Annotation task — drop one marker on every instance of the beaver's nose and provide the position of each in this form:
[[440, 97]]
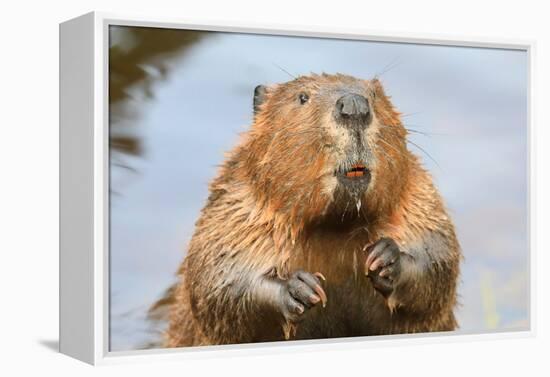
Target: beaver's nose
[[352, 106]]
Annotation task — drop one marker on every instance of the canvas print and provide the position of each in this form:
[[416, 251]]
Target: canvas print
[[268, 188]]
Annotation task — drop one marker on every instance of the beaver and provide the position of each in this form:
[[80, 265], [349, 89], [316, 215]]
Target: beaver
[[319, 224]]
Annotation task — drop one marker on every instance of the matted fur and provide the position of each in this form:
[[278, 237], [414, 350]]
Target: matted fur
[[276, 206]]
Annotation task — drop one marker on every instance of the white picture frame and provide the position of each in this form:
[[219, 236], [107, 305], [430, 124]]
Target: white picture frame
[[84, 187]]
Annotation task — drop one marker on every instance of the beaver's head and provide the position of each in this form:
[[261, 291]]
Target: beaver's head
[[326, 146]]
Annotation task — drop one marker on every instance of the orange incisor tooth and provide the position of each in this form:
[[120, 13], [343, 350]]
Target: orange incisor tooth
[[354, 174]]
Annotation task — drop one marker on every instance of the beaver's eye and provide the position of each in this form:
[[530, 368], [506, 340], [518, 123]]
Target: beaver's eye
[[303, 97]]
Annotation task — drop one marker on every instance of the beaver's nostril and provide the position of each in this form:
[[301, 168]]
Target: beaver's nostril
[[353, 112], [352, 106]]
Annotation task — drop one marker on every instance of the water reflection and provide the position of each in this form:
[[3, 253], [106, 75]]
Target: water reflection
[[139, 58]]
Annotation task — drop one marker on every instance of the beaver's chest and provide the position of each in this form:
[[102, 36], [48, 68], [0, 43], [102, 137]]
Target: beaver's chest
[[353, 307]]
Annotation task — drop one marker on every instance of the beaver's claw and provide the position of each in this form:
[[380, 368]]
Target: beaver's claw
[[301, 292], [383, 265]]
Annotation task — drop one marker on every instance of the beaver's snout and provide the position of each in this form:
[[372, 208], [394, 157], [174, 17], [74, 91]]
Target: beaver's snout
[[353, 110]]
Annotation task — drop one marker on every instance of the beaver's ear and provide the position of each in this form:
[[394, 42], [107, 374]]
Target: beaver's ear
[[260, 95], [377, 88]]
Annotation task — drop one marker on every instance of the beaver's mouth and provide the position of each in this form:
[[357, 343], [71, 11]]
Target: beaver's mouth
[[357, 173]]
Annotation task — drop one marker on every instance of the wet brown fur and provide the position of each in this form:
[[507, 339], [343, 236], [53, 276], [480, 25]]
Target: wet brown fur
[[274, 208]]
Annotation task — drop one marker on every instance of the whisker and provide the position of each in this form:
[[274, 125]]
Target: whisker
[[411, 142], [395, 149], [425, 152], [416, 130], [410, 114], [412, 130], [428, 134], [388, 67], [393, 131], [284, 70]]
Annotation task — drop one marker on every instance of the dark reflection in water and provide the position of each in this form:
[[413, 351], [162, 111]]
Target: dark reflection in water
[[139, 57], [179, 99]]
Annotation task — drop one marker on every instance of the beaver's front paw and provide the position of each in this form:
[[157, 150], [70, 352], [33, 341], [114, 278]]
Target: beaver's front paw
[[383, 265], [300, 292]]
